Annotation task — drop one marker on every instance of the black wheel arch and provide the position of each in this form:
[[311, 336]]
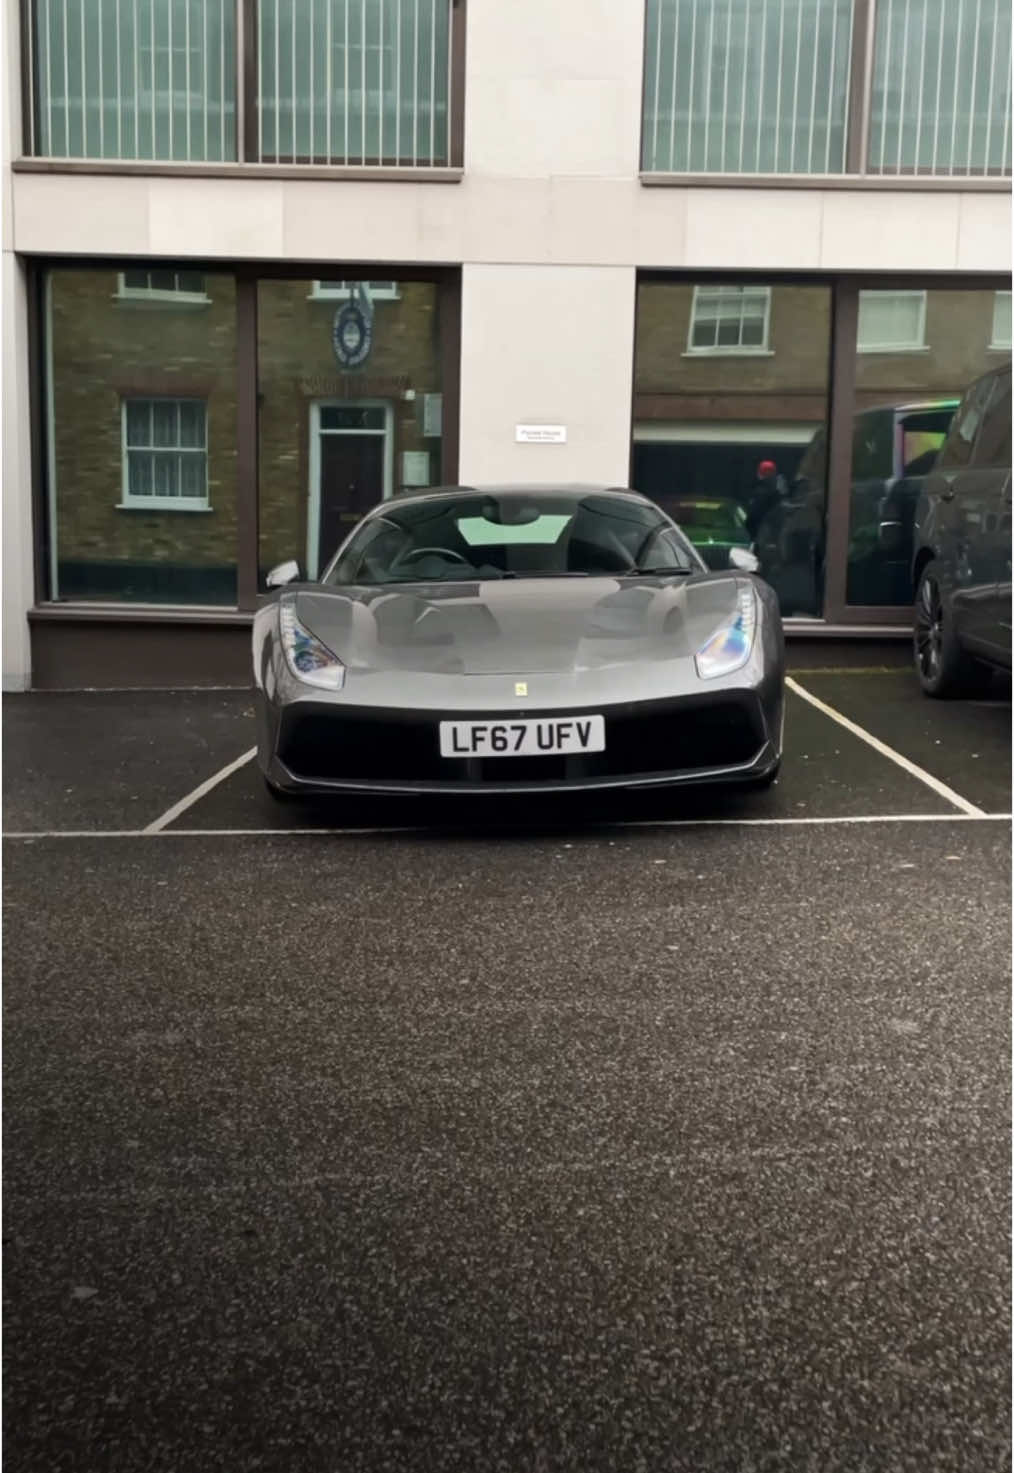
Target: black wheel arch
[[923, 558]]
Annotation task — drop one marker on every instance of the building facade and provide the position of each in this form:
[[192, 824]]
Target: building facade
[[267, 261]]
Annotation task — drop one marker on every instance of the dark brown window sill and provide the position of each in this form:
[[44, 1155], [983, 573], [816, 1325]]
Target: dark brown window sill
[[152, 168], [96, 613], [909, 183]]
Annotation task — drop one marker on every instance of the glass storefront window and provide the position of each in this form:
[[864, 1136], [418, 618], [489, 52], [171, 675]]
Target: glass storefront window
[[126, 81], [941, 87], [141, 454], [350, 408], [355, 83], [917, 353], [730, 403], [731, 87]]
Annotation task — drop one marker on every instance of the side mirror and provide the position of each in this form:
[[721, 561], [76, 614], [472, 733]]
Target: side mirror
[[743, 559], [282, 574]]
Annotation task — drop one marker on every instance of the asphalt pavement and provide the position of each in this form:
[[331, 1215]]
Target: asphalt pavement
[[655, 1134]]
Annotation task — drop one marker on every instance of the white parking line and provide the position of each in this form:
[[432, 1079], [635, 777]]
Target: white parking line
[[638, 823], [885, 751], [181, 807]]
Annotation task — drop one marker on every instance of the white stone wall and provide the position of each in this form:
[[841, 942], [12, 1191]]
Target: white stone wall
[[15, 467], [546, 345], [494, 220]]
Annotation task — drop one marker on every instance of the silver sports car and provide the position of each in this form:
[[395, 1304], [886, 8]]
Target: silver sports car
[[517, 639]]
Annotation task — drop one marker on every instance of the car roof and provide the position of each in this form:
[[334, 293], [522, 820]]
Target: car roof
[[915, 406], [535, 489]]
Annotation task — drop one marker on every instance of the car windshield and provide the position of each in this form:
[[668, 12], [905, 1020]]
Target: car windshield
[[511, 535], [714, 516]]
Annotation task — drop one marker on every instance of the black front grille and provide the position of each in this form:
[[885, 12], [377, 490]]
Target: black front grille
[[332, 745], [722, 734]]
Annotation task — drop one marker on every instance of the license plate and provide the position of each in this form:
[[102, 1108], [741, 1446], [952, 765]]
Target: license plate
[[535, 737]]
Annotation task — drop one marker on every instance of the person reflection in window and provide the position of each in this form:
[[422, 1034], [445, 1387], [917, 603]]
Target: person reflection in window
[[768, 489]]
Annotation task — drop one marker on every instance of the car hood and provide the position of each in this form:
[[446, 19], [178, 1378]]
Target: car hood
[[518, 626]]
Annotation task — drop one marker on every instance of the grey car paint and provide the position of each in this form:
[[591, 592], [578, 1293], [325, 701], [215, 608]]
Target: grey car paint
[[586, 644]]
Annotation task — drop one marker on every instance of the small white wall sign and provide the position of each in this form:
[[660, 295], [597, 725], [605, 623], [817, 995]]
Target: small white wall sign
[[540, 434], [433, 413], [415, 468]]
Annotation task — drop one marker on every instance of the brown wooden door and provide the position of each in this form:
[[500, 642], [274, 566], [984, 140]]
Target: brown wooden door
[[351, 481]]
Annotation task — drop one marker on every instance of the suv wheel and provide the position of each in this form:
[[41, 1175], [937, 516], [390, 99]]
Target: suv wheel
[[943, 667]]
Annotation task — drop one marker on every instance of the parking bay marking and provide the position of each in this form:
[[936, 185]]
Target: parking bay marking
[[638, 823], [923, 776], [191, 798], [160, 824]]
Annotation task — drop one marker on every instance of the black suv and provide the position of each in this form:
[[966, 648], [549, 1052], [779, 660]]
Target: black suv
[[961, 569]]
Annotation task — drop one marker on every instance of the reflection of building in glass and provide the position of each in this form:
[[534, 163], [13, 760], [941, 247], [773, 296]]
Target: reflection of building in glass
[[333, 441], [726, 376], [143, 459], [143, 423], [730, 406]]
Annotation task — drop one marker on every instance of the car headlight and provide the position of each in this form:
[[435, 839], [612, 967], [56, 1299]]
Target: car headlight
[[307, 657], [729, 647]]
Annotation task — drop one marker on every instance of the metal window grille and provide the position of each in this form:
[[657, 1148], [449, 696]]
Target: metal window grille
[[941, 89], [746, 86], [354, 81], [729, 319], [891, 321], [133, 79], [165, 452]]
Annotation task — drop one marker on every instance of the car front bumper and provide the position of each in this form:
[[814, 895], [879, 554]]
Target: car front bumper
[[725, 736]]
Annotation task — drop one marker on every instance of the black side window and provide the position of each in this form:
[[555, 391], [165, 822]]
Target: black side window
[[960, 443], [872, 455], [993, 447], [374, 546]]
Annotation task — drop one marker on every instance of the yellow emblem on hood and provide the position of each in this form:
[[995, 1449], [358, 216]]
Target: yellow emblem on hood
[[521, 687]]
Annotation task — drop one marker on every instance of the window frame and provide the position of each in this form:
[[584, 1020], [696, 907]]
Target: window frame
[[48, 605], [317, 432], [657, 165], [131, 501], [262, 108], [176, 295], [887, 348], [235, 136], [386, 291], [721, 350], [997, 345], [833, 457]]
